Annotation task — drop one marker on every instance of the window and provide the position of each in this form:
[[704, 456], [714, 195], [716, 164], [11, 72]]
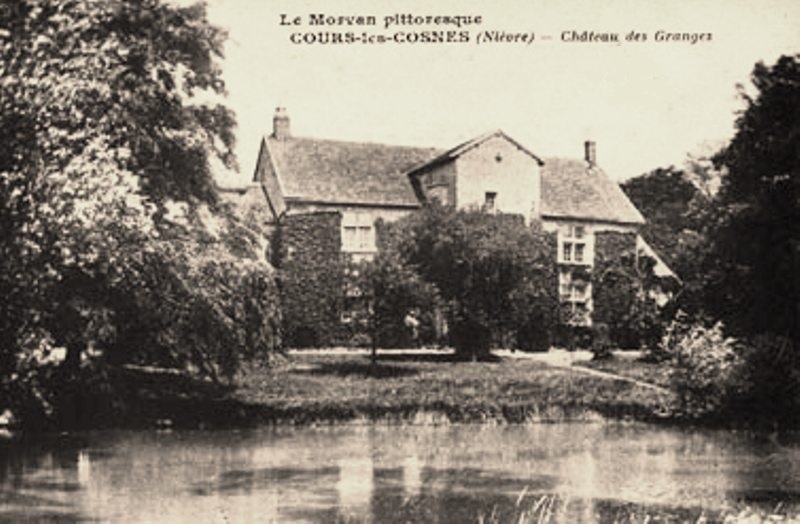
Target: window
[[575, 244], [358, 234], [573, 289], [440, 193], [358, 238], [567, 252], [576, 298], [490, 201], [436, 178], [349, 237], [579, 289], [364, 238]]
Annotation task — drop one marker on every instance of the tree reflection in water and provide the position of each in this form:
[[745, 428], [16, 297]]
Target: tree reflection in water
[[566, 473]]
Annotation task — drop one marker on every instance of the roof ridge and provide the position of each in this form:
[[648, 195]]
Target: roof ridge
[[270, 137], [318, 170]]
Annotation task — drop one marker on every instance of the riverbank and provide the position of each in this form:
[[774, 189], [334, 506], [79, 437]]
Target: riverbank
[[317, 387]]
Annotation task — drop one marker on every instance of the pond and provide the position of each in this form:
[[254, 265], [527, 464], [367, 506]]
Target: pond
[[413, 473]]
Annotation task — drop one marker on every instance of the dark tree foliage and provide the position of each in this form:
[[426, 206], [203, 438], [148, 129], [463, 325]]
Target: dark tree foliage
[[666, 198], [494, 273], [746, 256], [77, 71], [624, 289], [386, 291], [753, 264]]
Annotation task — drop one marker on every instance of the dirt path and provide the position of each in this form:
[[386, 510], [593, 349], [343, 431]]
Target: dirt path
[[567, 359]]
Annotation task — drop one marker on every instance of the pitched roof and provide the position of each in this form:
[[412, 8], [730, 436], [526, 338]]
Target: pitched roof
[[338, 172], [571, 188], [661, 269], [346, 172], [460, 149]]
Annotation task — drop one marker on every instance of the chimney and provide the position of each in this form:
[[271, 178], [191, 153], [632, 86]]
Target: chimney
[[590, 155], [280, 124]]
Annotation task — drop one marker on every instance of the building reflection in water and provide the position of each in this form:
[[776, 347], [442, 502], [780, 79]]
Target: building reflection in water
[[580, 486], [412, 476], [355, 485]]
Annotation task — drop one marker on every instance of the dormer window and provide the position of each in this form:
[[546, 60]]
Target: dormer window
[[490, 201]]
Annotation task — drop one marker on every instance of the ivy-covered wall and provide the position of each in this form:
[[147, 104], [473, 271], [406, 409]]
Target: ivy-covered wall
[[307, 253], [614, 247], [312, 272], [620, 281]]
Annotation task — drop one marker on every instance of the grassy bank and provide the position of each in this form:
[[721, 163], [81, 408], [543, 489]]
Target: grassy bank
[[310, 388], [320, 388], [406, 386]]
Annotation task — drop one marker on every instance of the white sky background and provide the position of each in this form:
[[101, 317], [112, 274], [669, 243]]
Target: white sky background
[[645, 104]]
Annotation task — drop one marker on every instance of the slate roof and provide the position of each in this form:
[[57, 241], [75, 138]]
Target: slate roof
[[337, 172], [333, 171], [573, 189]]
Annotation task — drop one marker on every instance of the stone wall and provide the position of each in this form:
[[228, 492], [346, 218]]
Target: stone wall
[[499, 166]]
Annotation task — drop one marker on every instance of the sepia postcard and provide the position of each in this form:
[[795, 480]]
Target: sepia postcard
[[470, 391]]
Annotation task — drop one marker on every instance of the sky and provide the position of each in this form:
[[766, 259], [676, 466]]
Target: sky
[[646, 104]]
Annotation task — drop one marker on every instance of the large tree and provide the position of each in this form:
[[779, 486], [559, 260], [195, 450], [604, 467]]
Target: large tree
[[494, 272], [675, 203], [108, 126], [665, 197], [753, 267]]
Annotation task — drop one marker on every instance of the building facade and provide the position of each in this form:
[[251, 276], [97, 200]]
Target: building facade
[[363, 182]]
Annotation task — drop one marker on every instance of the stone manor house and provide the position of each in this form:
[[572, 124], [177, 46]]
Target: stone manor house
[[362, 182]]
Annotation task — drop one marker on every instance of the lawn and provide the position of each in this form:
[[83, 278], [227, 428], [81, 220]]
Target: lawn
[[318, 387]]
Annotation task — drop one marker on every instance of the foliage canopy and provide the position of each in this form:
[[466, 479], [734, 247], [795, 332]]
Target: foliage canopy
[[494, 272], [108, 131]]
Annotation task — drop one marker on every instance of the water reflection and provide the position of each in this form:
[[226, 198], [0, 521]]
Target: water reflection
[[571, 473]]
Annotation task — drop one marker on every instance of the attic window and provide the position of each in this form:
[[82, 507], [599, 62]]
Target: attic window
[[436, 178], [498, 157], [490, 200]]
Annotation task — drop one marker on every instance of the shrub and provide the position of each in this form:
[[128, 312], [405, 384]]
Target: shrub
[[771, 377], [601, 342], [198, 302], [533, 314], [386, 292], [705, 367]]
